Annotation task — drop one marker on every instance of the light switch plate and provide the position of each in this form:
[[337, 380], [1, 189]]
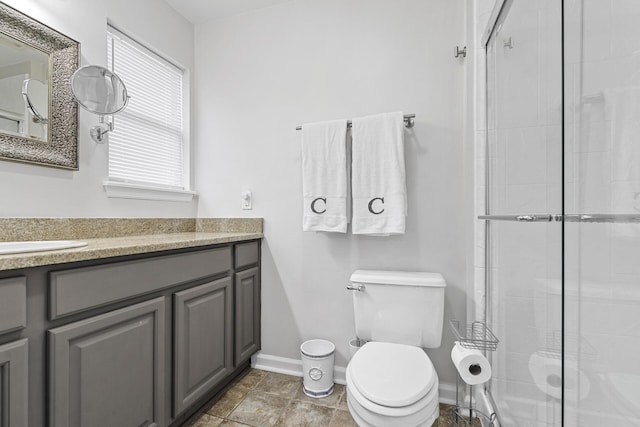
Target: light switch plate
[[247, 200]]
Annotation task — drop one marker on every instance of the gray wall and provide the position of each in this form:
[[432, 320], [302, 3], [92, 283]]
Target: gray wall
[[260, 74]]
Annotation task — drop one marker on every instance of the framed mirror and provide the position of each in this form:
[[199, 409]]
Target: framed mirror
[[38, 115]]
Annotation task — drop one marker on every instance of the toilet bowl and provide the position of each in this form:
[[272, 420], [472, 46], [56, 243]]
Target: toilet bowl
[[392, 384]]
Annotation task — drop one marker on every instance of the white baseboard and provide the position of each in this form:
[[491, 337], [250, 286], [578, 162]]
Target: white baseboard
[[447, 392], [284, 365]]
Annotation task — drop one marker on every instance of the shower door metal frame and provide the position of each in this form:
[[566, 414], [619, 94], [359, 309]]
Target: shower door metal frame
[[498, 16]]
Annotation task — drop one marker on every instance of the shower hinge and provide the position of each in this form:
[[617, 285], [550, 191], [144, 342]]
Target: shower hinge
[[460, 52]]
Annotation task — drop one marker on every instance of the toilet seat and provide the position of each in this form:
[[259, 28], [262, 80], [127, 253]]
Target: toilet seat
[[392, 385], [392, 375]]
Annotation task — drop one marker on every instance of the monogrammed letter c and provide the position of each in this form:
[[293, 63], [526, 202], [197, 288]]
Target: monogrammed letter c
[[313, 205], [371, 206]]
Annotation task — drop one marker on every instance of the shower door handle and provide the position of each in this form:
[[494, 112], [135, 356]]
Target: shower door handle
[[588, 218], [539, 218], [522, 218], [604, 218]]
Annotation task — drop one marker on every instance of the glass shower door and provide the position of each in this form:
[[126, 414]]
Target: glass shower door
[[524, 210], [602, 230]]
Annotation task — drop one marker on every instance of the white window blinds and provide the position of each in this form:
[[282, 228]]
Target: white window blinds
[[147, 145]]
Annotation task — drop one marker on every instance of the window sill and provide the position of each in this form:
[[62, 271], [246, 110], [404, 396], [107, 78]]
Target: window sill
[[141, 192]]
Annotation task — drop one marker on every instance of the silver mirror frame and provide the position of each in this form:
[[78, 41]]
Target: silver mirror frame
[[61, 149]]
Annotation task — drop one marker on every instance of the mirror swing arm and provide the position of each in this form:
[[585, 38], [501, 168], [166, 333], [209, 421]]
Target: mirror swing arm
[[98, 132]]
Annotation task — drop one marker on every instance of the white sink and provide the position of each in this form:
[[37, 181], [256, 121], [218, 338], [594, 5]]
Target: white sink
[[36, 246]]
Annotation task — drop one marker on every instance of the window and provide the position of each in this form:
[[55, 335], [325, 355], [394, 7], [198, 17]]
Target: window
[[148, 155]]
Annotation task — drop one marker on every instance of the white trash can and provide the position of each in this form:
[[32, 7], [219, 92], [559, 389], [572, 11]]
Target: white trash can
[[317, 367]]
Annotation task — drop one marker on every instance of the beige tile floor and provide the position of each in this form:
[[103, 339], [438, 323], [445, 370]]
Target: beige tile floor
[[263, 399]]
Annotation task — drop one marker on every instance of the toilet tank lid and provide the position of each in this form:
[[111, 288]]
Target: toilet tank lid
[[407, 278]]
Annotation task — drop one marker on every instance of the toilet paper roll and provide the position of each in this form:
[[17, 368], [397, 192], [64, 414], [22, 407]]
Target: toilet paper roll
[[471, 364], [547, 375]]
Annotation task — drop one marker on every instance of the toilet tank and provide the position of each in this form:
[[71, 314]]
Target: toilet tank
[[399, 306]]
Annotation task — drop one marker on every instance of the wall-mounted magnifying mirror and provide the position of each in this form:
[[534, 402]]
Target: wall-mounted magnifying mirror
[[36, 98], [101, 92]]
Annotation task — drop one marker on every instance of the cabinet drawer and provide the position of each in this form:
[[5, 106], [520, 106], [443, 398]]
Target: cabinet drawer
[[247, 254], [13, 304], [80, 289]]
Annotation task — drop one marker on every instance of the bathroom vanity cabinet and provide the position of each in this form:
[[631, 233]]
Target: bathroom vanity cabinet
[[139, 340]]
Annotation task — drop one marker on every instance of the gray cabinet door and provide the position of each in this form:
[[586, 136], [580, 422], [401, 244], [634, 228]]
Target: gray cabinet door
[[247, 288], [203, 340], [13, 304], [14, 384], [108, 370]]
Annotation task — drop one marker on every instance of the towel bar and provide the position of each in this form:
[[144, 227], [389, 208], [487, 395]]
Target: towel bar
[[408, 121]]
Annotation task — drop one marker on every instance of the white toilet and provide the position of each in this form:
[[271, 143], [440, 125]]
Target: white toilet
[[391, 380]]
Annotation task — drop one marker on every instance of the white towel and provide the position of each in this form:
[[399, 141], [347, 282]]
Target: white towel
[[324, 176], [379, 186]]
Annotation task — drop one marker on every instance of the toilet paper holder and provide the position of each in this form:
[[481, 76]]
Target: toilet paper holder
[[476, 336]]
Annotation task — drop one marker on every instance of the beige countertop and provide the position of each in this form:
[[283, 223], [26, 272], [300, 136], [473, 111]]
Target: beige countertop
[[99, 248]]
